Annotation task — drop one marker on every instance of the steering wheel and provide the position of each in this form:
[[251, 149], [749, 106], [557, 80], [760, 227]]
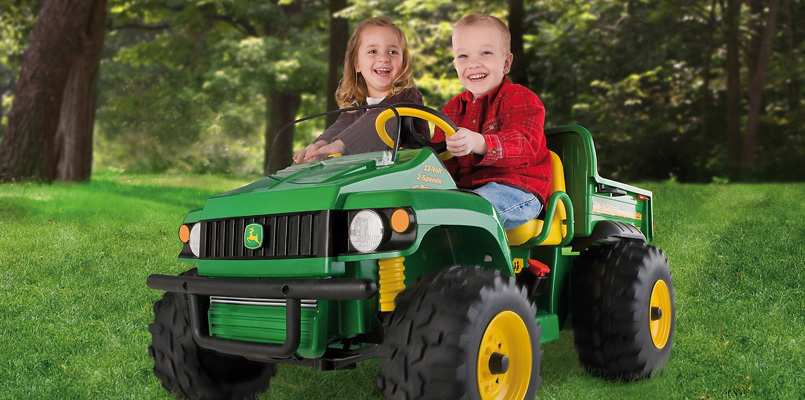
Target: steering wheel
[[406, 131]]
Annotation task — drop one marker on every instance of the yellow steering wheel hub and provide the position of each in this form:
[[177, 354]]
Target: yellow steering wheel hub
[[504, 358], [407, 111], [660, 314]]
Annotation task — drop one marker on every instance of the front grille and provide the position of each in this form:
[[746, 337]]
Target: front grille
[[284, 236], [304, 303], [257, 323]]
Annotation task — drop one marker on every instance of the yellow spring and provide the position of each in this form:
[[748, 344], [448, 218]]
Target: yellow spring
[[392, 281]]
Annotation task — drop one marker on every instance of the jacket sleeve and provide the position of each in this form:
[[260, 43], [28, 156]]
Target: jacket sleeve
[[520, 137], [450, 110], [344, 120], [361, 136]]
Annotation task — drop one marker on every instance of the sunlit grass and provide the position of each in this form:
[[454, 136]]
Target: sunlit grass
[[74, 260]]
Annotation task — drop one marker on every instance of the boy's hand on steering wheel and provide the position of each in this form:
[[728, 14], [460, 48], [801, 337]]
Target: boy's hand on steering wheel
[[464, 142]]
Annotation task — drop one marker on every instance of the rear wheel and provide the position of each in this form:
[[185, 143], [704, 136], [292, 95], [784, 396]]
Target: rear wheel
[[192, 372], [463, 333], [623, 310]]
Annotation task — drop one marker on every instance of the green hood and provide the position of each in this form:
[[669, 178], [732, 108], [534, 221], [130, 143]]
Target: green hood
[[325, 184]]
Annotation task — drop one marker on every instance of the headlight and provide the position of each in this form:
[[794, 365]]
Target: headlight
[[365, 231], [195, 239]]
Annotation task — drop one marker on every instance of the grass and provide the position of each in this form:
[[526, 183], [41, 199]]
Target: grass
[[74, 260]]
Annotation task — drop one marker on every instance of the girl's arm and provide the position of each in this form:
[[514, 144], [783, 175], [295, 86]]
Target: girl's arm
[[330, 134], [336, 147], [343, 122], [361, 136], [301, 157]]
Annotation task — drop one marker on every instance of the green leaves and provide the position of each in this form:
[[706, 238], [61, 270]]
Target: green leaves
[[178, 73]]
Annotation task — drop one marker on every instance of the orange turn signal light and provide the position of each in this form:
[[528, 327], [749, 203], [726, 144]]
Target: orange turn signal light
[[184, 233], [400, 220]]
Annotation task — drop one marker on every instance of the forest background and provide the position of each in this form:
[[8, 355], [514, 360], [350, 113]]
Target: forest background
[[692, 90]]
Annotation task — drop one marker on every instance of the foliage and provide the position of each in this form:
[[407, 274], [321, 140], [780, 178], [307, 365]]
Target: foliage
[[74, 260], [17, 20], [191, 95], [632, 73], [184, 82]]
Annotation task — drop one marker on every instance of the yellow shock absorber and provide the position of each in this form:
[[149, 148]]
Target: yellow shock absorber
[[392, 281]]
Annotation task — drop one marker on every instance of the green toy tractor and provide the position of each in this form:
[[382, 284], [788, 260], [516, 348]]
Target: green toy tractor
[[379, 255]]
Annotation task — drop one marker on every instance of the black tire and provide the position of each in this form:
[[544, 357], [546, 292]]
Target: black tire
[[437, 336], [192, 372], [612, 290]]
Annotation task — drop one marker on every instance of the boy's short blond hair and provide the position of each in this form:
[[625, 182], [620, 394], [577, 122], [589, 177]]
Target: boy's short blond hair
[[488, 20]]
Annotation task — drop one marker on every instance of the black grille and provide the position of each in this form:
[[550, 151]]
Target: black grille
[[284, 236]]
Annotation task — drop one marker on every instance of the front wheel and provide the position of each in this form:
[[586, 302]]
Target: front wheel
[[463, 333], [623, 310], [192, 372]]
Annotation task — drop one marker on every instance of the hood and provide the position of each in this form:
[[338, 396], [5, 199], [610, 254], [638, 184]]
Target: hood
[[325, 184]]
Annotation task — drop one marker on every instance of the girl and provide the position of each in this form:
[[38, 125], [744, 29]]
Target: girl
[[377, 69]]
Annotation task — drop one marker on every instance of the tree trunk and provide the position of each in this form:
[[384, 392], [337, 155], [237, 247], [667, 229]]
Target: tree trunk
[[339, 36], [519, 73], [74, 136], [733, 88], [792, 61], [704, 148], [754, 25], [756, 89], [28, 147], [280, 110]]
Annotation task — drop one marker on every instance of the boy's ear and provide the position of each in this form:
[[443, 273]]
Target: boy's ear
[[507, 65]]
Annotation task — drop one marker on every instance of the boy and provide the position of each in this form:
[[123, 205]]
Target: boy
[[499, 148]]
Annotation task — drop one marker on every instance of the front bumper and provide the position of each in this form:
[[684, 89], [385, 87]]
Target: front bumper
[[290, 290]]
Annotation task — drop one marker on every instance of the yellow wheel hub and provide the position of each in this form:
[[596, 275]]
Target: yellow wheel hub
[[504, 358], [660, 314]]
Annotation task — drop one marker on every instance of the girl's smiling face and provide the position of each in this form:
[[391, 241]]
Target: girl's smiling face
[[481, 60], [380, 59]]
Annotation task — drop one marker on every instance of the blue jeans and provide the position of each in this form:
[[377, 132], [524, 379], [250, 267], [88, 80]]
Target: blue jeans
[[515, 206]]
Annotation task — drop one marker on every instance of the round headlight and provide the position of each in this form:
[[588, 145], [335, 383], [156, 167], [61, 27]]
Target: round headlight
[[195, 239], [366, 231]]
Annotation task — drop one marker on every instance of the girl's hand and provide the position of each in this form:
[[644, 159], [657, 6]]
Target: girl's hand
[[325, 151], [299, 157], [465, 141]]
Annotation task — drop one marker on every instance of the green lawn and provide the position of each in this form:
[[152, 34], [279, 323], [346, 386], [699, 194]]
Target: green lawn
[[74, 260]]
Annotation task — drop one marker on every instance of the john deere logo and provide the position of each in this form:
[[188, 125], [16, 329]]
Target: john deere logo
[[253, 236]]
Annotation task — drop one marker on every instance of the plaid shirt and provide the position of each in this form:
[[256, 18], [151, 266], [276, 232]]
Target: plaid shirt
[[511, 120]]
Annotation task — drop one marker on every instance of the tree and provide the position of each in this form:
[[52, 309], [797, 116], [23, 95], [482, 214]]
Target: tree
[[339, 36], [29, 150], [236, 52], [516, 16], [706, 69], [203, 86], [732, 11], [73, 142], [17, 20], [764, 35]]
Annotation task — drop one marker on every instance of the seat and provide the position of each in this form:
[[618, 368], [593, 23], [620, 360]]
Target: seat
[[533, 228]]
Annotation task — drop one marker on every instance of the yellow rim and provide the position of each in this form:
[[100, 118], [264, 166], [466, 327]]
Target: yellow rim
[[660, 314], [505, 335], [380, 125]]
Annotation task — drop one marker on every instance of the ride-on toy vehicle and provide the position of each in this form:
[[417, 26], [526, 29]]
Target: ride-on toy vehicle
[[329, 263]]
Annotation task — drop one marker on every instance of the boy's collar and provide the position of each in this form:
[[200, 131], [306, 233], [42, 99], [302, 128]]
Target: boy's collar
[[489, 98]]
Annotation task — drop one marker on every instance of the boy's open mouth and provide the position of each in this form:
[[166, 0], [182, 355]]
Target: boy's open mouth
[[477, 77], [382, 71]]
